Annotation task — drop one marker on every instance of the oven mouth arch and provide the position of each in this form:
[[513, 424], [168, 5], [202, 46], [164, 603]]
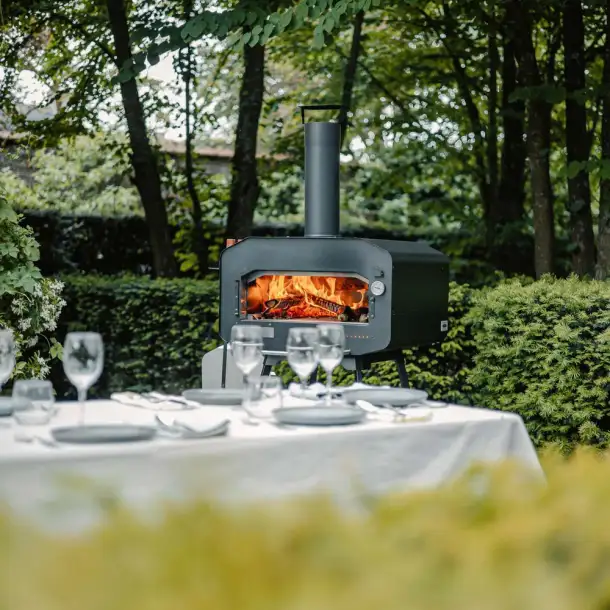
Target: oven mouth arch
[[305, 296]]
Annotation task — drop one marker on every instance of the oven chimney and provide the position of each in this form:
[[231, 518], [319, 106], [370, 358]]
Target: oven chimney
[[322, 153]]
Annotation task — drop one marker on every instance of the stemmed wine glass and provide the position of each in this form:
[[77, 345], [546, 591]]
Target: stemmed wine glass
[[330, 348], [247, 348], [83, 361], [301, 354], [8, 355]]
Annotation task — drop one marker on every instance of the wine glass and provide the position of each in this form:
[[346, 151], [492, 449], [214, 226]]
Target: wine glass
[[83, 361], [8, 355], [263, 395], [300, 352], [39, 393], [247, 348], [330, 348]]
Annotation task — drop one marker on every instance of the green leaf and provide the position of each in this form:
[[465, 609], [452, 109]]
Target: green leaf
[[318, 38]]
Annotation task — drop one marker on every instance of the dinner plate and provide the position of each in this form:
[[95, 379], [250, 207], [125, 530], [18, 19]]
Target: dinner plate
[[340, 415], [396, 397], [8, 405], [103, 433], [223, 397]]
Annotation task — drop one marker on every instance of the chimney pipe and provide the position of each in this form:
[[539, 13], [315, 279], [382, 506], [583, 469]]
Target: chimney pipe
[[322, 154]]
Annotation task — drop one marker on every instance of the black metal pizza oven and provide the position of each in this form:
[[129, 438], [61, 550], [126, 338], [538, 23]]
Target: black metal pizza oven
[[388, 294]]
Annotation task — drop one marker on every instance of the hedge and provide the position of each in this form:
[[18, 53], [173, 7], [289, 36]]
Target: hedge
[[155, 331], [494, 540], [543, 351], [540, 349], [112, 245]]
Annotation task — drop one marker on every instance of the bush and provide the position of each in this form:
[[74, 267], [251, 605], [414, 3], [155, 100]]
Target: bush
[[489, 541], [111, 245], [155, 331], [543, 351], [29, 303]]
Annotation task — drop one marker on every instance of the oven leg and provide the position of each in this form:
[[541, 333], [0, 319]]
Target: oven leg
[[358, 363], [266, 368], [223, 379], [402, 372]]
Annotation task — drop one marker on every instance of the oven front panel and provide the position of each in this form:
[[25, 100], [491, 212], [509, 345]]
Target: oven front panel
[[319, 280]]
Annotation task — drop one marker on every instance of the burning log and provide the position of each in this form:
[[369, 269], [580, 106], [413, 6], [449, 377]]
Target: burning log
[[281, 304], [338, 310]]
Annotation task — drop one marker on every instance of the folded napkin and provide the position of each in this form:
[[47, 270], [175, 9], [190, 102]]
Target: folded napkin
[[136, 400], [193, 428]]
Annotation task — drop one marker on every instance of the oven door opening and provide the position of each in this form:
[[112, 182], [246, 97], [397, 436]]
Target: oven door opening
[[301, 297]]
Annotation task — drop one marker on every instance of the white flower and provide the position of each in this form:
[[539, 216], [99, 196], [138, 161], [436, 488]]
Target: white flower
[[44, 370], [18, 306], [32, 342], [41, 360], [24, 324]]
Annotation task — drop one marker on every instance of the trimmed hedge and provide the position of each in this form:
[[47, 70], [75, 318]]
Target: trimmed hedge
[[543, 351], [155, 331], [494, 540], [72, 243]]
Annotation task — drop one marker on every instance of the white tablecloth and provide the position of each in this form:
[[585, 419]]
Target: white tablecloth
[[253, 463]]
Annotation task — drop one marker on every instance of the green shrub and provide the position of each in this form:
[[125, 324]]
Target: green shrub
[[29, 303], [543, 351], [508, 544], [155, 331]]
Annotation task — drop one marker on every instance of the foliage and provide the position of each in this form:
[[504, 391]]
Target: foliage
[[29, 303], [543, 351], [81, 175], [155, 331], [494, 539]]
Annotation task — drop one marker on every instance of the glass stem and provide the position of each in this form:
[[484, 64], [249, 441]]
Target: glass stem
[[82, 400], [329, 387]]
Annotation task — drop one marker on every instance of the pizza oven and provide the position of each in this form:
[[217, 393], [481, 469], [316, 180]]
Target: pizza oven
[[387, 294]]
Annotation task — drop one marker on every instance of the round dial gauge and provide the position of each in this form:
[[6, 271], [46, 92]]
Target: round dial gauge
[[377, 288]]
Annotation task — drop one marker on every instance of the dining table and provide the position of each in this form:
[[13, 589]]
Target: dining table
[[70, 487]]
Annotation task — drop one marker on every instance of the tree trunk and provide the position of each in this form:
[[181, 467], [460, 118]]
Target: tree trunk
[[538, 139], [200, 244], [492, 129], [143, 158], [349, 77], [577, 140], [512, 182], [245, 186], [603, 245]]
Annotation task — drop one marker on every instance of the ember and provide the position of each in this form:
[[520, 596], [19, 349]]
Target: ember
[[308, 296]]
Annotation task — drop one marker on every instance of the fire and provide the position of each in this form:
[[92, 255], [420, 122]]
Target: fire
[[308, 296]]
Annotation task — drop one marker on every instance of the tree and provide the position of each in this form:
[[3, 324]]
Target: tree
[[538, 137], [79, 50], [577, 139], [603, 260]]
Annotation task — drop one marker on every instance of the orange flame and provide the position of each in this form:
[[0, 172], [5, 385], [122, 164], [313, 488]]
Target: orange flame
[[314, 296]]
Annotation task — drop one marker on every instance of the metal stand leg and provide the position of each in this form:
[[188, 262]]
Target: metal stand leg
[[223, 378], [266, 368], [402, 372], [358, 363]]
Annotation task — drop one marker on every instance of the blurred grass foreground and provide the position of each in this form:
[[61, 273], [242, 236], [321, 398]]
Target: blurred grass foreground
[[494, 540]]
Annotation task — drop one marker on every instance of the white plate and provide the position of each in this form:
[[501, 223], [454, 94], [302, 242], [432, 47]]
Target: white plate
[[340, 415], [396, 397], [103, 433], [224, 397]]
